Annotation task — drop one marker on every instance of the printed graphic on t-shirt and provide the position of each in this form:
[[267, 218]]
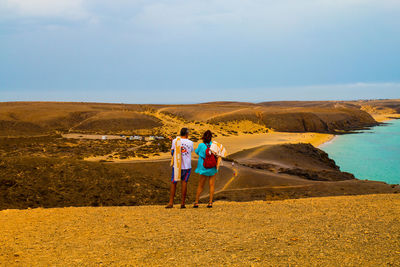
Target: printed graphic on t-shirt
[[186, 150]]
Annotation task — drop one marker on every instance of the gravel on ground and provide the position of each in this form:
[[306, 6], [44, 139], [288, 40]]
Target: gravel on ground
[[328, 231]]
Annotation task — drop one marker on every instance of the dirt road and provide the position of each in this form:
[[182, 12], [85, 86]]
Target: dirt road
[[356, 230]]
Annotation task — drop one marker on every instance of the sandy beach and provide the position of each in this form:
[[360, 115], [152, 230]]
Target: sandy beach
[[385, 117], [237, 143]]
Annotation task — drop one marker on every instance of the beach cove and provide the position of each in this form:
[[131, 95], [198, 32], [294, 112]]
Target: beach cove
[[372, 154]]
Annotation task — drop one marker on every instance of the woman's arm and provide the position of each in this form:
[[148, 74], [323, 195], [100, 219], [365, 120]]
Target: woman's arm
[[201, 151]]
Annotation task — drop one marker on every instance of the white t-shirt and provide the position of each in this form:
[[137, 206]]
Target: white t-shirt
[[186, 149]]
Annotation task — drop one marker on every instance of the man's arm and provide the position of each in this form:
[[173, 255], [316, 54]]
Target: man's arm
[[191, 148], [173, 147]]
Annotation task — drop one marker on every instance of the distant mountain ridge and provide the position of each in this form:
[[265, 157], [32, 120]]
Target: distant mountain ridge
[[35, 118]]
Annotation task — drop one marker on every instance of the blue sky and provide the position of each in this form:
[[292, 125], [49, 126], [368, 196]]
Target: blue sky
[[181, 51]]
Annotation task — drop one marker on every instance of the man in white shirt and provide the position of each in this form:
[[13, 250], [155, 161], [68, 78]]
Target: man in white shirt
[[186, 167]]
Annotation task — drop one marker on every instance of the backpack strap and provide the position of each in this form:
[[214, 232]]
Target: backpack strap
[[208, 146]]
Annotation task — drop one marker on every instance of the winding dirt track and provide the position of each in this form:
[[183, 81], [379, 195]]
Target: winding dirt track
[[334, 231]]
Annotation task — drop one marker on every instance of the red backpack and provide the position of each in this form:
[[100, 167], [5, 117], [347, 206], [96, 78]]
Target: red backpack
[[210, 160]]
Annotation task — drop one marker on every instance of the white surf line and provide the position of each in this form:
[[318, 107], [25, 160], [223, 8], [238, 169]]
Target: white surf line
[[330, 141]]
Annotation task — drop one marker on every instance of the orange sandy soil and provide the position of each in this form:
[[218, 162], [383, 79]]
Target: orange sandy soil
[[240, 142], [333, 231]]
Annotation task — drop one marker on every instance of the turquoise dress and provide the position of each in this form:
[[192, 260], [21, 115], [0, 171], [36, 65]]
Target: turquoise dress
[[201, 151]]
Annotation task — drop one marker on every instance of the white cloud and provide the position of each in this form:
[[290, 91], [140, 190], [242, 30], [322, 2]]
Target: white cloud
[[65, 9], [169, 12], [249, 17], [252, 17], [209, 18]]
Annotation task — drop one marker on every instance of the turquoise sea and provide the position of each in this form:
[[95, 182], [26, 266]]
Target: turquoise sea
[[373, 154]]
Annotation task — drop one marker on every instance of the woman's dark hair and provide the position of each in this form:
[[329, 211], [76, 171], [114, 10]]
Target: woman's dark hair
[[207, 136]]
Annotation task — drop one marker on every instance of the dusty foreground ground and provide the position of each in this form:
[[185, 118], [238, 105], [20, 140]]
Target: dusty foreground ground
[[351, 230]]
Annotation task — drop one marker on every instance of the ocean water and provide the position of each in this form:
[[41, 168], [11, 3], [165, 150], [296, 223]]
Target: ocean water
[[373, 154]]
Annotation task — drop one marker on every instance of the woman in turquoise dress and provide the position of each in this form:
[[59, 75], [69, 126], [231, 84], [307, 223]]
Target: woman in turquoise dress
[[204, 172]]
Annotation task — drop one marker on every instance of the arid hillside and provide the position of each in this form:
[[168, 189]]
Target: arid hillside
[[38, 118], [388, 105], [53, 154], [324, 117], [263, 173], [31, 182], [292, 171], [380, 109], [308, 161]]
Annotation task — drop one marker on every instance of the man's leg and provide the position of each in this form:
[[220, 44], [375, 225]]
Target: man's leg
[[172, 194], [184, 191]]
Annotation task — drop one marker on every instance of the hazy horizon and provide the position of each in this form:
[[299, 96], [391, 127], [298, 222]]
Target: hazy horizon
[[358, 90], [178, 51]]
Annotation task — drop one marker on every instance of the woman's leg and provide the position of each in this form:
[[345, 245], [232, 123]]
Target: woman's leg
[[212, 187], [200, 188]]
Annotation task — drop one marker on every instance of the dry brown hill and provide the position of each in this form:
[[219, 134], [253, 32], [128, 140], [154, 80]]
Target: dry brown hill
[[389, 106], [285, 116], [117, 122], [35, 118], [29, 182], [292, 171], [286, 156], [324, 117], [28, 165], [267, 172]]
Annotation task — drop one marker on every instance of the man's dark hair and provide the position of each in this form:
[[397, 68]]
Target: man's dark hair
[[207, 136], [184, 131]]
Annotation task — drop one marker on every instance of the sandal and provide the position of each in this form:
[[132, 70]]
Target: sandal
[[209, 205], [169, 206], [183, 207], [195, 205]]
